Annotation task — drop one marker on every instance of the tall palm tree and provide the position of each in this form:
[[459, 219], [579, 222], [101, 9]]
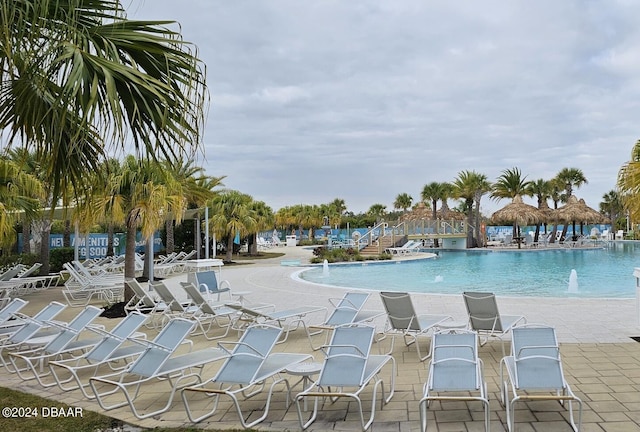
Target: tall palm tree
[[403, 201], [571, 178], [470, 185], [77, 76], [378, 211], [434, 192], [629, 183], [19, 192], [232, 215], [29, 164], [339, 205], [541, 189], [483, 187], [611, 206], [197, 188], [140, 196], [510, 184], [264, 217], [557, 196]]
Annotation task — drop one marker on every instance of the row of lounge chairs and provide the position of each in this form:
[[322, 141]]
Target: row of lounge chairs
[[531, 371], [20, 280], [249, 365]]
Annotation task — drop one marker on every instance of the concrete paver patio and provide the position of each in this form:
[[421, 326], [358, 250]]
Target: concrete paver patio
[[601, 363]]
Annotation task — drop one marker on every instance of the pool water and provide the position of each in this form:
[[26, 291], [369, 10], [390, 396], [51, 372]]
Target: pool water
[[601, 273]]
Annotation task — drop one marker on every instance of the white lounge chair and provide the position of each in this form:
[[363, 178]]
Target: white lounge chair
[[534, 371], [485, 318], [113, 349], [347, 371], [9, 311], [207, 282], [287, 319], [29, 364], [80, 289], [247, 370], [38, 325], [158, 362], [455, 373], [143, 301], [346, 310], [410, 247], [403, 319], [209, 316], [175, 308]]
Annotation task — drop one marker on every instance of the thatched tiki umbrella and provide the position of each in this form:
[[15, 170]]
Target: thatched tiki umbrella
[[519, 214], [578, 211]]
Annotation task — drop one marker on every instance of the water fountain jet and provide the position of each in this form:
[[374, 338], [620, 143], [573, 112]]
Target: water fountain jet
[[325, 268], [573, 281]]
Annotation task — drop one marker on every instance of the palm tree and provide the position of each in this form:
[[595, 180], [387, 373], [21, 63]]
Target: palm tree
[[264, 217], [470, 186], [611, 206], [541, 189], [511, 184], [339, 205], [197, 189], [556, 195], [403, 201], [232, 215], [77, 76], [19, 192], [434, 192], [30, 165], [377, 211], [570, 178], [140, 195], [629, 183], [335, 210]]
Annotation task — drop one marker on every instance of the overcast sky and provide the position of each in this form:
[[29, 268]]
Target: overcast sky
[[363, 100]]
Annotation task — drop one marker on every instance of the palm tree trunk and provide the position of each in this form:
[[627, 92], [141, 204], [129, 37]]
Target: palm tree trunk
[[26, 236], [66, 234], [130, 249], [229, 255], [44, 247], [253, 244], [110, 240], [170, 241], [470, 242]]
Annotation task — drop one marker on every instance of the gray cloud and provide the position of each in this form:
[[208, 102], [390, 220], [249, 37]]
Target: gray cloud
[[364, 100]]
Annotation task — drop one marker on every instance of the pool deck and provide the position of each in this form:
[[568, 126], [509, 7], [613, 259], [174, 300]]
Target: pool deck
[[601, 362]]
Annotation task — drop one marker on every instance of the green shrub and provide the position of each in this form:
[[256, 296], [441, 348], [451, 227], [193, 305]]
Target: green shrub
[[11, 260], [60, 256]]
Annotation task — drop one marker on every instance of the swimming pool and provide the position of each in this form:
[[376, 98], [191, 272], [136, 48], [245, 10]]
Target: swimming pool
[[601, 273]]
